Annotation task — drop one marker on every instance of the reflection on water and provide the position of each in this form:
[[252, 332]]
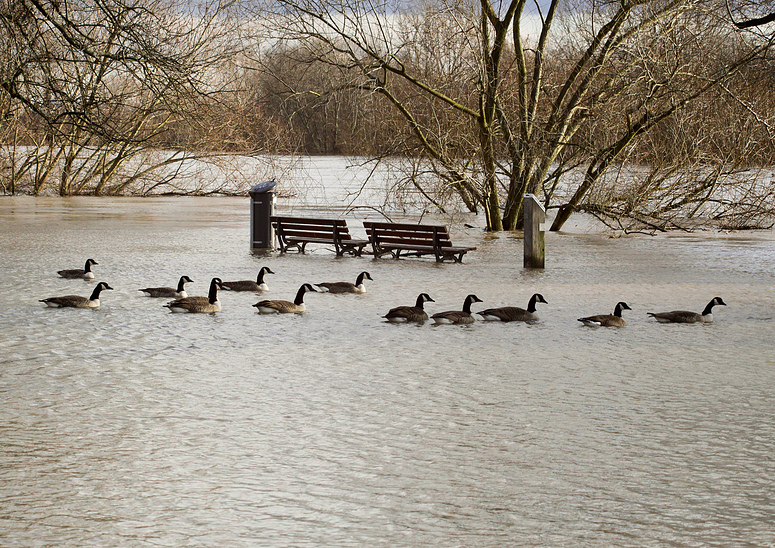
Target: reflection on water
[[132, 426]]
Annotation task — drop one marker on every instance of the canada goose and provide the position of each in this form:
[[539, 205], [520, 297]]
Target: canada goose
[[458, 316], [684, 316], [607, 320], [169, 292], [514, 313], [250, 285], [403, 314], [76, 301], [346, 287], [206, 305], [285, 307], [85, 273]]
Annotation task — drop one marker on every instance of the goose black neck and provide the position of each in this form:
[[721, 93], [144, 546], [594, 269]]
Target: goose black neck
[[260, 278], [420, 302], [467, 305], [181, 284], [709, 308], [212, 296], [531, 306], [618, 311], [359, 279], [87, 266], [96, 293], [300, 295]]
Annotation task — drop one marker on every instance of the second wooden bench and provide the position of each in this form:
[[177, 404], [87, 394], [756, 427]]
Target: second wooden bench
[[405, 239]]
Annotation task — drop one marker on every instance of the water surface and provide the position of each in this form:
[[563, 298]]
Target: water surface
[[131, 426]]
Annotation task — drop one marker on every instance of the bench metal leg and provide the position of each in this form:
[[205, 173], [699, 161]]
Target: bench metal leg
[[354, 250]]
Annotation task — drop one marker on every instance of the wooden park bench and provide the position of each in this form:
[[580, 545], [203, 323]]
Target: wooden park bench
[[404, 239], [297, 232]]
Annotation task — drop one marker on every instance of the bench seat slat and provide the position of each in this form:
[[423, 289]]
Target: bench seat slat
[[310, 239], [308, 221], [404, 226], [323, 240], [312, 226], [306, 232], [411, 235], [388, 241], [301, 234]]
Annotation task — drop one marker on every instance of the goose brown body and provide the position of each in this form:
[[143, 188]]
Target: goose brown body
[[169, 292], [458, 316], [84, 273], [199, 305], [249, 285], [77, 301], [346, 287], [416, 313], [514, 313], [685, 316], [607, 320], [285, 307]]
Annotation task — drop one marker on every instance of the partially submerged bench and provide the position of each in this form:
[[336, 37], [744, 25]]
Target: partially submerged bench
[[405, 239], [297, 232]]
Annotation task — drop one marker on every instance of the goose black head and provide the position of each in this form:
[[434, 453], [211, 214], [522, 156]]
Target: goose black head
[[423, 298]]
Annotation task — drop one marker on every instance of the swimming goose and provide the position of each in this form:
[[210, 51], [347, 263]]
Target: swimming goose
[[346, 287], [514, 313], [607, 320], [85, 273], [403, 314], [684, 316], [169, 292], [286, 307], [204, 305], [250, 285], [458, 316], [76, 301]]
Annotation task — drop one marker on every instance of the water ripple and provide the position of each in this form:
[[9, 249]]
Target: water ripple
[[133, 426]]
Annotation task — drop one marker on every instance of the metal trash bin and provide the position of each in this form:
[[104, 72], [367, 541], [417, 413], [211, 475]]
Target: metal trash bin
[[261, 211]]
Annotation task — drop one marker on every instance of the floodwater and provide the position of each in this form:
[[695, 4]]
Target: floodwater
[[132, 426]]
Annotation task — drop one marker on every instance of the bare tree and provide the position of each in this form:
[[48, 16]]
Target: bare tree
[[93, 86], [760, 11], [504, 108]]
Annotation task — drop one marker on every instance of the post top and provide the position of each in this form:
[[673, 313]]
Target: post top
[[262, 188], [535, 199]]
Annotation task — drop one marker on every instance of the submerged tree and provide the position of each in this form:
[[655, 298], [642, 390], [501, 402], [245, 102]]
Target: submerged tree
[[503, 99], [88, 86]]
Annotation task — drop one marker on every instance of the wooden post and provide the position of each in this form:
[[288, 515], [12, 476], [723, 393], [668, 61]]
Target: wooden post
[[535, 226]]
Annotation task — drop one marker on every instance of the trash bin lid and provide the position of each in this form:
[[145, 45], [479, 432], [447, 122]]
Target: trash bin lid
[[261, 188]]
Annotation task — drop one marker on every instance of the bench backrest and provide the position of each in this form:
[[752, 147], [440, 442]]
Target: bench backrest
[[407, 233], [306, 227]]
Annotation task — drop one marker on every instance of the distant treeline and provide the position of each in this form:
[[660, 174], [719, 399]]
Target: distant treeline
[[293, 108]]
